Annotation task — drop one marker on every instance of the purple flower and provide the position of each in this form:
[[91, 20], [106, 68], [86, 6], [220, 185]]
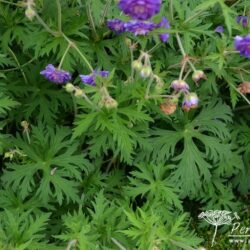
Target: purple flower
[[190, 101], [140, 27], [116, 25], [219, 29], [55, 75], [242, 44], [243, 20], [179, 85], [164, 24], [140, 9], [90, 79]]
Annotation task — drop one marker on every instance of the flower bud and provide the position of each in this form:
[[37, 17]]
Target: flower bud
[[69, 87], [78, 92], [244, 88], [169, 106], [137, 65], [146, 72], [179, 85], [110, 103], [190, 101], [128, 42], [197, 75], [30, 13]]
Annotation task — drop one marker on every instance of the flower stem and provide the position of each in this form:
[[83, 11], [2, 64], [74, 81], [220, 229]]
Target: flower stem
[[64, 55], [18, 65], [16, 4], [59, 17], [71, 244], [182, 70], [158, 45], [79, 52], [148, 87], [46, 27], [91, 20], [106, 8], [132, 60], [171, 9], [183, 51]]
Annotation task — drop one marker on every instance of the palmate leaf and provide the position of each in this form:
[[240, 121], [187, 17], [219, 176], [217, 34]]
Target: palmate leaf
[[6, 103], [52, 167], [151, 181], [21, 230], [111, 130], [202, 143], [149, 229]]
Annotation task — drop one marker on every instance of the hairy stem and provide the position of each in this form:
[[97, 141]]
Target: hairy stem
[[16, 4], [59, 15], [46, 27], [18, 64], [64, 55], [79, 52], [148, 87], [183, 51]]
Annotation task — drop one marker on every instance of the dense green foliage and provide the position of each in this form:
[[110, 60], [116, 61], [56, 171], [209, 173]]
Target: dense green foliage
[[79, 175]]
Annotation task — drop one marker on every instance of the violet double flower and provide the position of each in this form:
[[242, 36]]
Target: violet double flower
[[90, 79], [55, 75], [140, 9], [242, 44]]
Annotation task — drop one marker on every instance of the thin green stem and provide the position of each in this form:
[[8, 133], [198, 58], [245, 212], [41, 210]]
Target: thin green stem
[[118, 244], [180, 45], [16, 4], [171, 9], [79, 52], [193, 16], [158, 45], [17, 68], [59, 15], [46, 27], [161, 96], [106, 8], [187, 74], [91, 20], [183, 51], [71, 244], [182, 70], [18, 64], [148, 87], [27, 135], [132, 60], [64, 55], [74, 104], [88, 100]]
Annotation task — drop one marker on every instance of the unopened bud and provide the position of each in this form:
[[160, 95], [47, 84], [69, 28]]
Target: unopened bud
[[190, 101], [128, 42], [244, 88], [169, 106], [146, 72], [78, 92], [110, 103], [137, 65], [179, 85], [69, 87], [30, 13], [197, 75]]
